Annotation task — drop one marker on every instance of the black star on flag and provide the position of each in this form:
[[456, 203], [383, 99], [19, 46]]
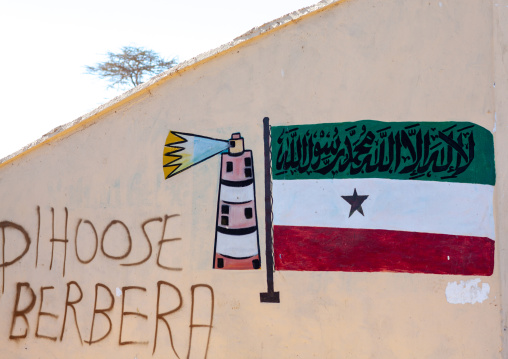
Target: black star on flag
[[356, 202]]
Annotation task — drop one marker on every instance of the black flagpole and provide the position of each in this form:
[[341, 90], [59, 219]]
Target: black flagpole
[[270, 296]]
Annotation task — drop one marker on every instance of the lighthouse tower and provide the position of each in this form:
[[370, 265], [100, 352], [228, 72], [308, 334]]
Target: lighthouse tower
[[236, 232]]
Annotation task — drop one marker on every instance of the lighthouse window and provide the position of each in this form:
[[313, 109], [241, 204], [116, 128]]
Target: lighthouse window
[[224, 220], [248, 213], [229, 166], [248, 172], [220, 262], [248, 161], [232, 143], [225, 209]]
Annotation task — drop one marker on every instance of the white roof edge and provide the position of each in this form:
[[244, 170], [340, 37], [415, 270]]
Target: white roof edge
[[254, 32]]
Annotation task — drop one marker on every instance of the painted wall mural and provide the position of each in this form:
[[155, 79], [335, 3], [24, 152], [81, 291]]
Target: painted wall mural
[[355, 197], [236, 228], [377, 196]]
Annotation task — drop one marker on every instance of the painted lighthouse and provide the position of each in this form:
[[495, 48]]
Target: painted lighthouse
[[236, 228], [236, 232]]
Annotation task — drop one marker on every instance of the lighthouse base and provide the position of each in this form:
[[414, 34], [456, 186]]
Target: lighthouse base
[[224, 262]]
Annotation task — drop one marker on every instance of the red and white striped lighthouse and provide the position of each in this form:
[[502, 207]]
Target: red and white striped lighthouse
[[236, 233]]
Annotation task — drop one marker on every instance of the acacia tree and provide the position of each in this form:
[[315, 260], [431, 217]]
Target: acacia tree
[[130, 66]]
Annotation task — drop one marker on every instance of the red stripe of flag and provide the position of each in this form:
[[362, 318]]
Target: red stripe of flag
[[373, 250]]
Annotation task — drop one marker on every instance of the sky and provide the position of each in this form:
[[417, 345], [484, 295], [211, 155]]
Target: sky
[[45, 46]]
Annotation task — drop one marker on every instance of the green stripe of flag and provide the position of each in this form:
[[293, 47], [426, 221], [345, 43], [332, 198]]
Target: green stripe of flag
[[431, 151]]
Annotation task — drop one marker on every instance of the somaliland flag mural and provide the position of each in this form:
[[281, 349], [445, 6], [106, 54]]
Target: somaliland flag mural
[[379, 196]]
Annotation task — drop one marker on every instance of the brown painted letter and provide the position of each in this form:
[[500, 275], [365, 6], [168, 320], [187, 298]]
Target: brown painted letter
[[127, 252], [101, 311], [22, 312], [76, 242], [53, 239], [160, 316], [124, 314], [147, 240], [38, 235], [208, 325], [41, 313], [71, 304], [4, 264], [163, 240]]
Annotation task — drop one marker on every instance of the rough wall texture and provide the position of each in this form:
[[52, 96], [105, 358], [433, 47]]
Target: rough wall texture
[[102, 187]]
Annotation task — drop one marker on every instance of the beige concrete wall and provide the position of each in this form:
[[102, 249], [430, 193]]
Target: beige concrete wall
[[360, 59], [500, 18]]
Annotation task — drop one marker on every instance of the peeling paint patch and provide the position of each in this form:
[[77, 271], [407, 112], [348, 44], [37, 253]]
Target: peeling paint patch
[[118, 292], [495, 123], [467, 292]]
